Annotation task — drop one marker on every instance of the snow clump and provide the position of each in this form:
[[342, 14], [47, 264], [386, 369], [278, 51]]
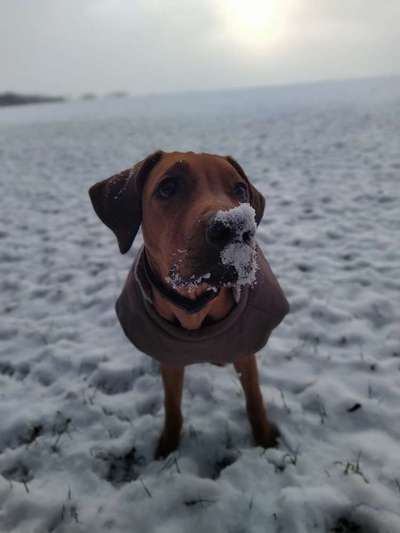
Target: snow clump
[[241, 252]]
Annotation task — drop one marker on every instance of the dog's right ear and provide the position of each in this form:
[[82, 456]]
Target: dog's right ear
[[118, 200], [257, 200]]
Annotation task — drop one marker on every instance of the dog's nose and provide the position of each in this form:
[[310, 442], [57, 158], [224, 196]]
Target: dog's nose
[[219, 234]]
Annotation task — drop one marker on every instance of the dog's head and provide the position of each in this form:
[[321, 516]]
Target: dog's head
[[193, 208]]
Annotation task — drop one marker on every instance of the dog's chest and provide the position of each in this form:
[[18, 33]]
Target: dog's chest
[[244, 330]]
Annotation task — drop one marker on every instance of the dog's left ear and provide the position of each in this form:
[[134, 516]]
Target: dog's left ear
[[257, 200], [118, 200]]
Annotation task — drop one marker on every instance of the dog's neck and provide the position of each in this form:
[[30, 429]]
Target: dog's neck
[[171, 309], [214, 311]]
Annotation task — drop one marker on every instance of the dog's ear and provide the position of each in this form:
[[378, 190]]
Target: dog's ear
[[257, 200], [118, 200]]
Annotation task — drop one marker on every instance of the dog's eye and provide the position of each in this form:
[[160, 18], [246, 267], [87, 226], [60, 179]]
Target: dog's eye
[[167, 188], [241, 192]]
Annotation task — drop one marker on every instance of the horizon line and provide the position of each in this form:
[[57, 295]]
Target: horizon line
[[177, 92]]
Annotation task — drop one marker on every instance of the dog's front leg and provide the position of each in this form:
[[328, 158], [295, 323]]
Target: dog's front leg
[[172, 379], [265, 432]]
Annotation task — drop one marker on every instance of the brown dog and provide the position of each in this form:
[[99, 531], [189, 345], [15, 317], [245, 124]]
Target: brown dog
[[186, 300]]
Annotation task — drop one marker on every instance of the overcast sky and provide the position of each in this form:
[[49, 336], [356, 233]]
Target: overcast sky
[[140, 46]]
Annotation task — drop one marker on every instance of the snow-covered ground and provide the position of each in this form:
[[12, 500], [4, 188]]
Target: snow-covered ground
[[81, 410]]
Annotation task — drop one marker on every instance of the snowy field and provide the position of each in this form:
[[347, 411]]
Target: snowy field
[[81, 410]]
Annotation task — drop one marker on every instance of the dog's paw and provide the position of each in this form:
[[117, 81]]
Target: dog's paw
[[167, 444], [268, 436]]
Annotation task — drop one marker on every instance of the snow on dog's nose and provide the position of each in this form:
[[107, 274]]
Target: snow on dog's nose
[[233, 232], [236, 225]]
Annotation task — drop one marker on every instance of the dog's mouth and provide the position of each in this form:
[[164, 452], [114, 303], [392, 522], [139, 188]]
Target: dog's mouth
[[216, 277], [232, 267], [193, 301], [222, 276]]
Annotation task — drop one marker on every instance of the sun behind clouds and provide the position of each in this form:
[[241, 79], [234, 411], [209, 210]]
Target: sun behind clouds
[[255, 24]]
